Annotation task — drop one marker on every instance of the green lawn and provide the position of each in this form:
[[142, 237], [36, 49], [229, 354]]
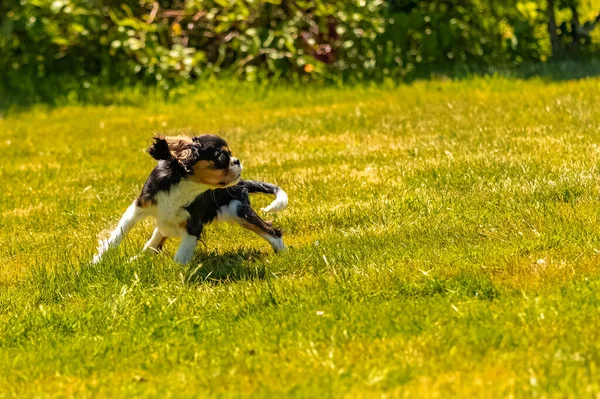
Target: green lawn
[[444, 241]]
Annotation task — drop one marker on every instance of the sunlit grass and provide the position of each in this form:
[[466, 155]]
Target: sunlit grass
[[444, 242]]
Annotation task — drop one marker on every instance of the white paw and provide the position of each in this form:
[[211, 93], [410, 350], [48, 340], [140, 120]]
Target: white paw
[[103, 246], [277, 244], [183, 258], [283, 248]]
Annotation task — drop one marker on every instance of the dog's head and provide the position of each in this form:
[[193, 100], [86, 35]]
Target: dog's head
[[205, 159]]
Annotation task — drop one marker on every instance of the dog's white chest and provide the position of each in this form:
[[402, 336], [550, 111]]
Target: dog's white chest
[[171, 215]]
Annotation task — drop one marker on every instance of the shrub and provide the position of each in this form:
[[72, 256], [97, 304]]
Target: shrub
[[78, 43]]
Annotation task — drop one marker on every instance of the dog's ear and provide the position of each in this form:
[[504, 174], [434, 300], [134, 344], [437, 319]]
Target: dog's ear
[[180, 149], [183, 149], [159, 149]]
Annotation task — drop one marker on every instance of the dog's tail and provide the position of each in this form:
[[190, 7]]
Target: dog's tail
[[281, 199]]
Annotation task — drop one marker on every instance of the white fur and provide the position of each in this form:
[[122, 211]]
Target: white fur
[[279, 204], [132, 215], [170, 214], [185, 252], [228, 213], [154, 241], [276, 242]]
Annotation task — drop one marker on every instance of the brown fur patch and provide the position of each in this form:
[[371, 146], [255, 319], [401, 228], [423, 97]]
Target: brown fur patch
[[252, 227], [173, 140], [179, 146], [145, 203], [204, 172]]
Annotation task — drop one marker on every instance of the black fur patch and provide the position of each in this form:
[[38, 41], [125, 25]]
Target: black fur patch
[[204, 209], [261, 187], [159, 149], [164, 176]]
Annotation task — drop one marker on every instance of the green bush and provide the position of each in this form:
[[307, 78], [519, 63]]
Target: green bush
[[142, 41], [74, 44], [423, 34]]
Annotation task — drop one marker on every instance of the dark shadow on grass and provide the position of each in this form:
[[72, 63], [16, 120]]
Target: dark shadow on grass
[[552, 71], [218, 268], [67, 90]]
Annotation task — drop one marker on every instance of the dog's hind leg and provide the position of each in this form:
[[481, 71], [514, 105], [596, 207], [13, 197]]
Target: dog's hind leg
[[248, 219], [132, 215], [156, 242]]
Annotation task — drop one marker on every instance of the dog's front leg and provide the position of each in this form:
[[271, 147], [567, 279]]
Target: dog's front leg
[[132, 215], [185, 252]]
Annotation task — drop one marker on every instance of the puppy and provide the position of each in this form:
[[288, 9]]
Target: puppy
[[196, 182]]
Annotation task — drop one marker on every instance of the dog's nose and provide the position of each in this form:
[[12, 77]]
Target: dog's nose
[[236, 162]]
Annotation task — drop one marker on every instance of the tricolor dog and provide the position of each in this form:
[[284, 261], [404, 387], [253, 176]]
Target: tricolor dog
[[196, 182]]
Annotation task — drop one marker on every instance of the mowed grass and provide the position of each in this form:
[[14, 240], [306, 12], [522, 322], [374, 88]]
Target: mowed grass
[[443, 242]]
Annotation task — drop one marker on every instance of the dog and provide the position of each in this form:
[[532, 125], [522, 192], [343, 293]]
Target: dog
[[197, 181]]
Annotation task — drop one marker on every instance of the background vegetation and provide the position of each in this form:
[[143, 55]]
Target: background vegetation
[[52, 46]]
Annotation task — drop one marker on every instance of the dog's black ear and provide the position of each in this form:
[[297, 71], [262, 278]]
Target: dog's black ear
[[159, 149]]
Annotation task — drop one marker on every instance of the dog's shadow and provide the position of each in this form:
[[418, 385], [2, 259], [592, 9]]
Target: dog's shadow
[[232, 266]]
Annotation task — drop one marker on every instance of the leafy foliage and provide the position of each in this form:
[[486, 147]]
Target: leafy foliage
[[460, 32], [572, 38], [161, 42]]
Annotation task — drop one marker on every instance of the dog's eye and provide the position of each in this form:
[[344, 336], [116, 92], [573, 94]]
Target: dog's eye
[[223, 157]]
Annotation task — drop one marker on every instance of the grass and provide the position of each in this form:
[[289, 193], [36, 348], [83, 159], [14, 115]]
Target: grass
[[444, 242]]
